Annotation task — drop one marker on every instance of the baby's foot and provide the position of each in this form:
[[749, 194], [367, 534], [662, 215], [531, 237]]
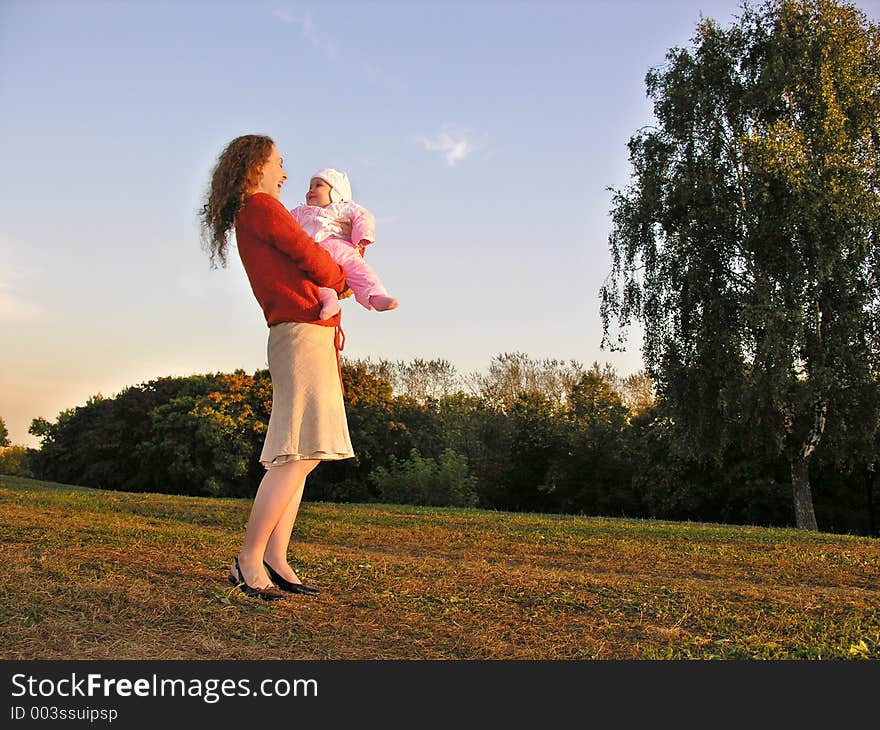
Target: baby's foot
[[382, 303], [329, 303]]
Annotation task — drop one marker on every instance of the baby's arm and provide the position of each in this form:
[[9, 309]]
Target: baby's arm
[[363, 227]]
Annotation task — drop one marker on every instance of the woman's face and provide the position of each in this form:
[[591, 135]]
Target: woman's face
[[272, 176]]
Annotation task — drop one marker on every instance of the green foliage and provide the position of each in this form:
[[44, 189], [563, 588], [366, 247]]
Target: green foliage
[[592, 474], [534, 448], [748, 241], [595, 402], [581, 450], [444, 482], [375, 432], [424, 379], [513, 375], [483, 435], [149, 437], [15, 461], [670, 484], [4, 434], [209, 442]]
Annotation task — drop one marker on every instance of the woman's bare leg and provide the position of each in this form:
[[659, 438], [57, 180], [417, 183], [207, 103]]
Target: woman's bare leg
[[276, 549], [280, 487]]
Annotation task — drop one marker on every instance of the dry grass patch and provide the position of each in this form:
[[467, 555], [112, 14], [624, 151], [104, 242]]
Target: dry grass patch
[[109, 575]]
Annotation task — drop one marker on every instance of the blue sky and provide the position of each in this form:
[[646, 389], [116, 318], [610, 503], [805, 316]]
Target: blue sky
[[482, 135]]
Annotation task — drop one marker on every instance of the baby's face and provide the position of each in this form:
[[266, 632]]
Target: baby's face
[[319, 193]]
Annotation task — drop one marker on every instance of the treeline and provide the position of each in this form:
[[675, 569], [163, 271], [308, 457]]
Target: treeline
[[527, 435]]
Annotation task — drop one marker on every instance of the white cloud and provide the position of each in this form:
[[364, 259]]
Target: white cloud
[[454, 145], [309, 31]]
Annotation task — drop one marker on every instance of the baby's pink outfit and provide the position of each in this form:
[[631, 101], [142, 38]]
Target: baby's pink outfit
[[321, 224]]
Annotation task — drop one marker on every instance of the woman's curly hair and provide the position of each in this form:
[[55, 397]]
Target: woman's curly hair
[[237, 172]]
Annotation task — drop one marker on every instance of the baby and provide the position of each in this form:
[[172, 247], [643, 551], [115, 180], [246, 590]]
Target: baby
[[328, 200]]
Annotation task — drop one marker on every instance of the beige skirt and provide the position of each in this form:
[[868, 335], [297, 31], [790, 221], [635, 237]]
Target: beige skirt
[[308, 414]]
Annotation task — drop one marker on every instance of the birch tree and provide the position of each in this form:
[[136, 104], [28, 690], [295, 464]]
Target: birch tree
[[747, 240]]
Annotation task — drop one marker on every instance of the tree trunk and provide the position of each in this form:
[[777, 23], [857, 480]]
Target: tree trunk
[[805, 518], [869, 491]]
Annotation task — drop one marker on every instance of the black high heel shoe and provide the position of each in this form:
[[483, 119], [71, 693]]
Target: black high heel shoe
[[286, 585], [269, 593]]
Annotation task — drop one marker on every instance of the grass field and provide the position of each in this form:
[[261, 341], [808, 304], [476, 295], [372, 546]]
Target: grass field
[[92, 574]]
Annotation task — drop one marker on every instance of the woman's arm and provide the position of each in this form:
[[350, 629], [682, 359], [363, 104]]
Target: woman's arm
[[277, 226]]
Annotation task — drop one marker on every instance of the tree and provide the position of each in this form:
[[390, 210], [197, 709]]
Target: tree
[[4, 434], [375, 433], [744, 486], [591, 472], [637, 393], [482, 435], [512, 375], [15, 461], [110, 442], [748, 241], [534, 446], [853, 456], [423, 379], [442, 482]]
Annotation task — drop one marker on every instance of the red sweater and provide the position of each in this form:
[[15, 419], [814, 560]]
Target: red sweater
[[284, 265]]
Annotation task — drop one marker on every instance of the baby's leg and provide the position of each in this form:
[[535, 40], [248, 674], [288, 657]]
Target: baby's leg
[[363, 280], [382, 302], [329, 302]]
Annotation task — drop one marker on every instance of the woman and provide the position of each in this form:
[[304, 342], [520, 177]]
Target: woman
[[285, 269]]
